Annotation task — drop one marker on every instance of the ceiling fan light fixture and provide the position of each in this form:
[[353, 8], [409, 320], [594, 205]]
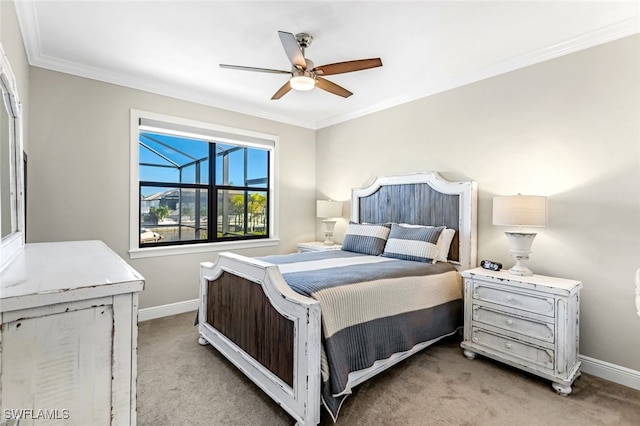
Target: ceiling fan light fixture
[[303, 83], [305, 76]]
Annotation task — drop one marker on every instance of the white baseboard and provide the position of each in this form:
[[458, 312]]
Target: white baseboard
[[612, 372], [166, 310]]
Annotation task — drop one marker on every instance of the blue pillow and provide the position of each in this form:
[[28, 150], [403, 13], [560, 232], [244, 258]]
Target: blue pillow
[[416, 244], [366, 239]]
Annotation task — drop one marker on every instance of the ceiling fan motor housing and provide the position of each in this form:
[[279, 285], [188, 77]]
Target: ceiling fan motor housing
[[304, 40]]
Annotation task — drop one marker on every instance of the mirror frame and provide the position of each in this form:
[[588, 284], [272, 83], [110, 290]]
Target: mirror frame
[[13, 243]]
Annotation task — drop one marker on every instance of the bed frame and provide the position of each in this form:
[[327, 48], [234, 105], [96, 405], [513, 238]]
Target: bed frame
[[272, 334]]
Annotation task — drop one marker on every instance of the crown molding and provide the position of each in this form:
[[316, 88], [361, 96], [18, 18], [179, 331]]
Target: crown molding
[[28, 22], [168, 90], [591, 39]]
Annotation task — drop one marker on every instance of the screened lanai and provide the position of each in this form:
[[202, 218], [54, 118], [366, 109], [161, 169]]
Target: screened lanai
[[177, 176]]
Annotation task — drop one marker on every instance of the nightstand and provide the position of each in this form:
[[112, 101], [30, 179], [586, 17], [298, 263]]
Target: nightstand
[[317, 246], [530, 323]]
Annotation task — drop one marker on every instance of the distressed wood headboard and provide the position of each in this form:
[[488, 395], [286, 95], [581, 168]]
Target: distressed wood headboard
[[423, 199]]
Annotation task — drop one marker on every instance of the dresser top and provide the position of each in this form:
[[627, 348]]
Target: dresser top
[[49, 268]]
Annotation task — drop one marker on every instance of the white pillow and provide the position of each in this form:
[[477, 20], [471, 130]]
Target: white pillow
[[444, 240], [444, 244]]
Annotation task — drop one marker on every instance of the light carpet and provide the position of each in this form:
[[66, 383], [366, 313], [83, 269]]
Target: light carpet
[[183, 383]]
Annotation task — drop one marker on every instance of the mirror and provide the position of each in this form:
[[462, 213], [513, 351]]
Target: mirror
[[5, 190], [11, 176]]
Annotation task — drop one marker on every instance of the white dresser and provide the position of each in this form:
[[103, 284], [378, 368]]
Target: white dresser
[[530, 323], [68, 339]]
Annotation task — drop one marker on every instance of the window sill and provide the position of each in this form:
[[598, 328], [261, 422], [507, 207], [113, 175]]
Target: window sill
[[138, 253]]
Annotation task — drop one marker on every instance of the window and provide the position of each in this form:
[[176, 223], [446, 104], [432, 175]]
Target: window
[[199, 184]]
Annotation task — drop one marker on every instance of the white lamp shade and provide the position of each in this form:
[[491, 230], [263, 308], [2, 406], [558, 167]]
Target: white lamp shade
[[520, 210], [327, 208]]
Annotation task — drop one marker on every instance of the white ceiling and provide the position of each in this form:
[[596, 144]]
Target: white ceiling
[[174, 47]]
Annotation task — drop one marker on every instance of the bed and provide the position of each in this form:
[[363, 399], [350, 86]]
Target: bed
[[264, 314]]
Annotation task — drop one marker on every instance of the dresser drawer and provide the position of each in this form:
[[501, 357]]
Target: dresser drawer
[[526, 327], [503, 296], [532, 354]]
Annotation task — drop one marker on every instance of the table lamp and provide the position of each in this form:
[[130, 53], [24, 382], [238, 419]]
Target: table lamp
[[327, 210], [520, 210]]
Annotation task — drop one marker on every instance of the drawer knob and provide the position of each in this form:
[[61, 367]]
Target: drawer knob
[[509, 322], [475, 295], [508, 345], [475, 340]]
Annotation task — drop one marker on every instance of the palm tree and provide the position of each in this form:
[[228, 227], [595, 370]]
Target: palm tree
[[255, 207], [159, 213]]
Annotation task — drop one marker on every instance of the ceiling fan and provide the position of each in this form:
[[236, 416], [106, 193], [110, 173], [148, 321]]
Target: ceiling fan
[[304, 74]]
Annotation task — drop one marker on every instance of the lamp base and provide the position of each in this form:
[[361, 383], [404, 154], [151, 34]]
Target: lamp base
[[328, 231], [520, 248], [520, 269]]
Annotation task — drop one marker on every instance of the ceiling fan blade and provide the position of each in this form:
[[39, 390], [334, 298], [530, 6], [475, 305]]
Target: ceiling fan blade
[[282, 91], [292, 49], [332, 87], [241, 68], [348, 66]]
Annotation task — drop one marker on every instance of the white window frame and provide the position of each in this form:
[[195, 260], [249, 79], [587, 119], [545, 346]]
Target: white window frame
[[222, 134], [13, 243]]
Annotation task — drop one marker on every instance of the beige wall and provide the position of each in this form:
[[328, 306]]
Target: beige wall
[[79, 173], [567, 128]]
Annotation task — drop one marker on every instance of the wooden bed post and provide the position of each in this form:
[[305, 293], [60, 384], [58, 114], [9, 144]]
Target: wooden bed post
[[285, 362]]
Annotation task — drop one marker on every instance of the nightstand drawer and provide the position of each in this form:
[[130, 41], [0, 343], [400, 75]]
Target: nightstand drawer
[[538, 356], [525, 326], [538, 304]]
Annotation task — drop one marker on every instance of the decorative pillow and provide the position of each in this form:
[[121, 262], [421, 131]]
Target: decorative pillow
[[444, 244], [413, 243], [444, 240], [366, 239]]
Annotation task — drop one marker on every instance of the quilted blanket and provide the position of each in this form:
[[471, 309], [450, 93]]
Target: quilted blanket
[[371, 308]]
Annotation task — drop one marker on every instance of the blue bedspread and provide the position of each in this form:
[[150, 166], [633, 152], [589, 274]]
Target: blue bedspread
[[371, 307]]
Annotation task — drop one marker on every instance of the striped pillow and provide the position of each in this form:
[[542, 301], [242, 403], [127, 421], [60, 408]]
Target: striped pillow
[[366, 239], [444, 241], [416, 244]]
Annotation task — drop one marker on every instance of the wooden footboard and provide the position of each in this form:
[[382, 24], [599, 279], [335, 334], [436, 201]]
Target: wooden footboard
[[271, 333]]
